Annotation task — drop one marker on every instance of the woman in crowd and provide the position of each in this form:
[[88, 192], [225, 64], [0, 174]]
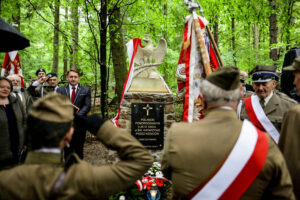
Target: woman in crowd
[[12, 118]]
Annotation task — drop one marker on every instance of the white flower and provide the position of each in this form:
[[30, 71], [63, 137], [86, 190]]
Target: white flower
[[157, 165], [159, 174]]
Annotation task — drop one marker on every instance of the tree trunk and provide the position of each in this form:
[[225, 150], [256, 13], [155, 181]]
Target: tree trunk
[[74, 48], [233, 40], [273, 30], [65, 48], [216, 30], [16, 16], [56, 36], [118, 51], [255, 37], [165, 35], [289, 23], [103, 68]]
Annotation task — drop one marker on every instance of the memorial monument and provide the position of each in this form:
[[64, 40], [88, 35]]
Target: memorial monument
[[147, 108]]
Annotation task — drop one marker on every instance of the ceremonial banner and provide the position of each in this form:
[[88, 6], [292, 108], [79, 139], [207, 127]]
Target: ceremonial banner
[[132, 47], [197, 59], [11, 65], [258, 117], [240, 169]]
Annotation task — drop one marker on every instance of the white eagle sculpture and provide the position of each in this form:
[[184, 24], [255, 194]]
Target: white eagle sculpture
[[147, 59]]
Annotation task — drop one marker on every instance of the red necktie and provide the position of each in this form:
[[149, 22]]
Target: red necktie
[[73, 94]]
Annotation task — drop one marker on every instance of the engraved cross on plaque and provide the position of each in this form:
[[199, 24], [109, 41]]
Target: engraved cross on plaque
[[147, 108]]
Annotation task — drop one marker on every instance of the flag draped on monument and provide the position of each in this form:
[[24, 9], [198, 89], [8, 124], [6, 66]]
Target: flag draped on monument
[[132, 47], [197, 59], [11, 65]]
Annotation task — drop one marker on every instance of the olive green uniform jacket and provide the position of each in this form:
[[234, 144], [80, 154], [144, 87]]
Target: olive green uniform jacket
[[193, 151], [41, 90], [289, 144], [35, 178], [5, 149], [274, 109]]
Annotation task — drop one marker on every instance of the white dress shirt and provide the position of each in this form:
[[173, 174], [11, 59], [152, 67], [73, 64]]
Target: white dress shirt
[[71, 89]]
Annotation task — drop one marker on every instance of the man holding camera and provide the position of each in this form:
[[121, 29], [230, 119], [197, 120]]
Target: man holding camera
[[44, 85]]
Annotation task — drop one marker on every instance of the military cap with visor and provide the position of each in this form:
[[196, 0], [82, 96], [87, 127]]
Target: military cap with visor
[[262, 73], [295, 66], [226, 78]]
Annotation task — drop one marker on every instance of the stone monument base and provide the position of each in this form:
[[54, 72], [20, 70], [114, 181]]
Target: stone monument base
[[166, 99]]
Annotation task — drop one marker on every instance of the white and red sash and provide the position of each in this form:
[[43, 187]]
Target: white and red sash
[[258, 117], [240, 169]]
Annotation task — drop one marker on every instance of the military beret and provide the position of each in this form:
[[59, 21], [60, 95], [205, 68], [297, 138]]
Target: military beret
[[261, 73], [40, 70], [227, 78], [52, 74], [53, 107], [295, 66]]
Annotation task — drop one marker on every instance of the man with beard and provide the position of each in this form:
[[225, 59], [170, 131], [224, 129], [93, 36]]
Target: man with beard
[[44, 85], [20, 92]]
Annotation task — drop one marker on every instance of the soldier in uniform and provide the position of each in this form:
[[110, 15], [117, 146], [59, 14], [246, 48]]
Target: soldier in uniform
[[20, 93], [289, 142], [49, 129], [39, 74], [44, 85], [216, 157], [266, 105]]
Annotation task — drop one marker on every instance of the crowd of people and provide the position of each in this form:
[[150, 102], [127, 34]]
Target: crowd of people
[[16, 103], [246, 147]]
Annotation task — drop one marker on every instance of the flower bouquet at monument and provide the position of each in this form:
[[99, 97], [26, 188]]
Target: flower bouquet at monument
[[153, 182]]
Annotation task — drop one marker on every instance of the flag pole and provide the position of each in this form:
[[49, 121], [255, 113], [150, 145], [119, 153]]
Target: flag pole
[[204, 54], [211, 37], [192, 8], [215, 45]]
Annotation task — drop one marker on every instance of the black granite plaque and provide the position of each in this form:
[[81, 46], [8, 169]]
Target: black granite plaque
[[147, 124]]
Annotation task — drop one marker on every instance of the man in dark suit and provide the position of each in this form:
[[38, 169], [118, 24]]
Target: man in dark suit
[[80, 97]]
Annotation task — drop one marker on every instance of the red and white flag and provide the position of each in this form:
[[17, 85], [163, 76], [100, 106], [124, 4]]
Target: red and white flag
[[132, 47], [190, 67], [11, 65]]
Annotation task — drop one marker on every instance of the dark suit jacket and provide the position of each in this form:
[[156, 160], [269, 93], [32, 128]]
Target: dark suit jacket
[[82, 98]]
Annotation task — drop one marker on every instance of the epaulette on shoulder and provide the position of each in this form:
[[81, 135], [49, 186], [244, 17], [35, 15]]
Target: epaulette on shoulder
[[285, 97]]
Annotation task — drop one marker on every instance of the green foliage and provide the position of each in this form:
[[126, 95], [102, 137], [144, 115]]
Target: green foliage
[[158, 18]]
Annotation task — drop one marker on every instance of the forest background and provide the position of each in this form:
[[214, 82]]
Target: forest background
[[91, 35]]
